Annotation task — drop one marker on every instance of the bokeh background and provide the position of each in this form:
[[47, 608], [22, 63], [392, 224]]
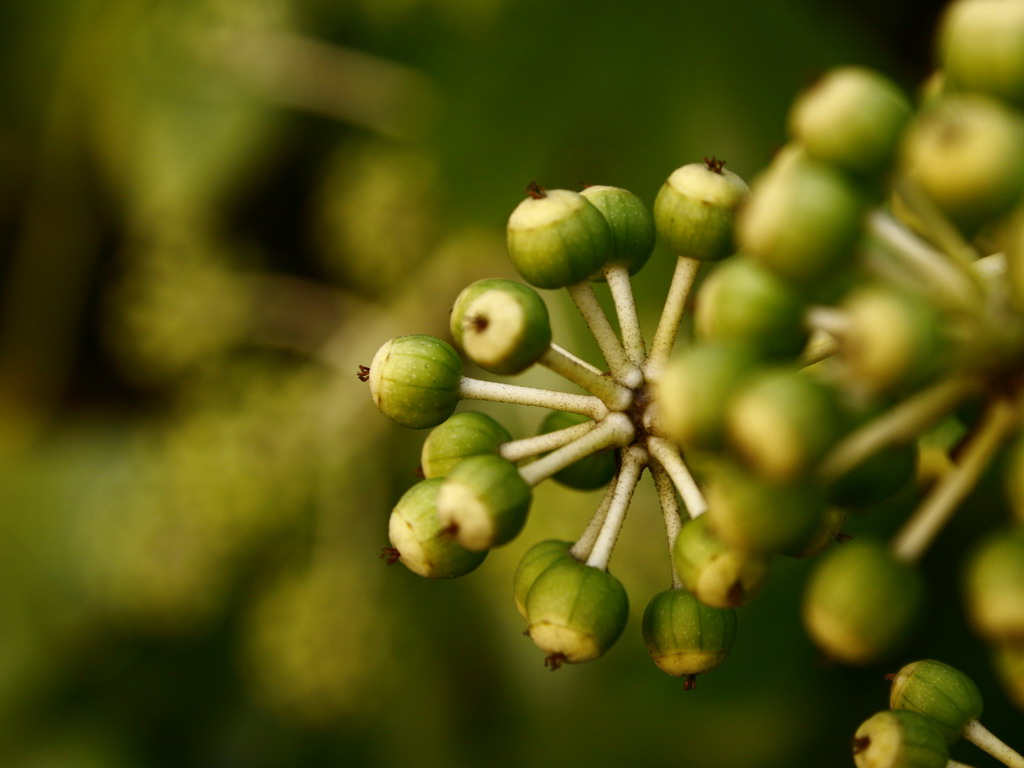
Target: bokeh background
[[212, 211]]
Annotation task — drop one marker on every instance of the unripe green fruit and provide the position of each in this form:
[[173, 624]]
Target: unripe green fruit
[[684, 636], [557, 239], [895, 340], [803, 219], [575, 612], [861, 603], [631, 225], [415, 380], [588, 473], [537, 559], [465, 434], [423, 545], [695, 210], [484, 502], [718, 575], [941, 692], [899, 739], [744, 303], [994, 583], [981, 47], [782, 422], [501, 325], [694, 391], [830, 526], [751, 513], [852, 117], [966, 153]]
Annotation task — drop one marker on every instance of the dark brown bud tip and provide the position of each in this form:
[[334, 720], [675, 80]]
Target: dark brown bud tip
[[690, 682], [536, 191], [389, 555], [554, 661], [714, 164], [363, 374], [860, 744]]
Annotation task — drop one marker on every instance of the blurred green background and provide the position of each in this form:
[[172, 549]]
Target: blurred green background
[[211, 211]]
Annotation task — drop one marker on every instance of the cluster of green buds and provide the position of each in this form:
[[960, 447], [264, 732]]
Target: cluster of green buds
[[865, 288], [931, 707]]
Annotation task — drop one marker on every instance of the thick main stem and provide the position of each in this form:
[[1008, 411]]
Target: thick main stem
[[478, 389], [568, 366], [671, 315], [619, 364], [984, 739], [901, 424], [615, 431], [625, 308], [634, 459], [917, 533], [668, 456]]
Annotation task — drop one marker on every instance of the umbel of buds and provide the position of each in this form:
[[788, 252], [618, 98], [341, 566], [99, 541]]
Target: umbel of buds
[[825, 331]]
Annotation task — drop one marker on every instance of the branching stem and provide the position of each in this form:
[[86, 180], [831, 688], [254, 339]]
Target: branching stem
[[614, 354], [615, 431], [568, 366], [478, 389], [625, 308], [672, 314], [918, 532], [583, 546], [984, 739], [517, 450], [668, 456], [634, 459], [671, 512]]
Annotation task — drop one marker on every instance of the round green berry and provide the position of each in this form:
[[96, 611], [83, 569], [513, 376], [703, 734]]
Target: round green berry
[[465, 434], [693, 393], [421, 541], [749, 512], [803, 219], [630, 222], [994, 582], [981, 47], [556, 238], [713, 572], [899, 739], [852, 117], [966, 154], [744, 303], [537, 559], [861, 603], [415, 380], [575, 612], [483, 502], [685, 637], [588, 473], [782, 422], [695, 210], [501, 325], [1008, 659], [941, 692]]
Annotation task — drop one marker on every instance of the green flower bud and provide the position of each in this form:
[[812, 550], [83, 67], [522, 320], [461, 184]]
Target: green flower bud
[[860, 602], [751, 513], [852, 117], [631, 225], [684, 636], [465, 434], [943, 693], [575, 612], [966, 153], [782, 422], [556, 238], [718, 575], [876, 478], [694, 391], [1009, 666], [415, 380], [483, 502], [695, 210], [803, 219], [895, 340], [744, 303], [981, 47], [422, 544], [501, 325], [588, 473], [995, 587], [537, 559], [899, 739]]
